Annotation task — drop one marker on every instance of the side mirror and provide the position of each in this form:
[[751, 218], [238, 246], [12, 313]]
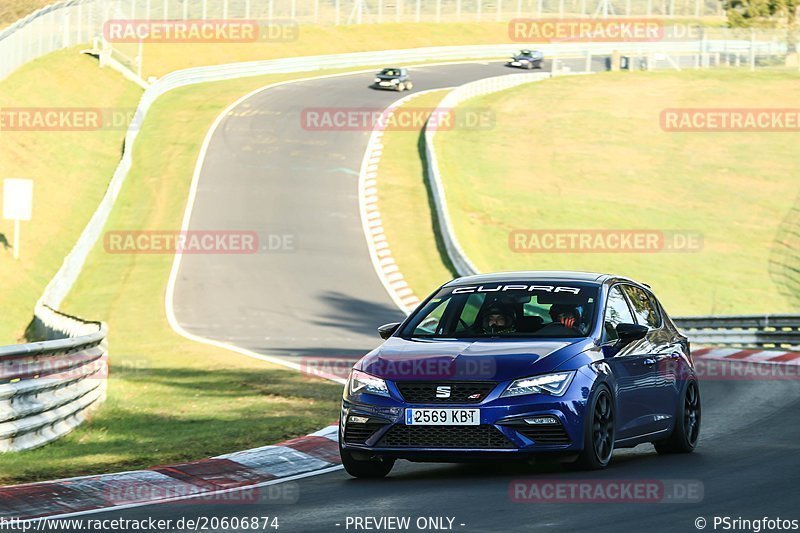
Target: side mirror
[[386, 330], [630, 332]]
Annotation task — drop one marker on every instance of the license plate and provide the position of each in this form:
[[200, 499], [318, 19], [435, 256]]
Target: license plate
[[385, 83], [443, 417]]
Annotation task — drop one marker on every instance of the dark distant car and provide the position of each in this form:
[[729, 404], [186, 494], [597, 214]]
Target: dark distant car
[[395, 79], [518, 365], [528, 59]]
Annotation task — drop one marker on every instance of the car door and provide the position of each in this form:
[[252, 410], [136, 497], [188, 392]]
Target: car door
[[634, 370], [663, 349]]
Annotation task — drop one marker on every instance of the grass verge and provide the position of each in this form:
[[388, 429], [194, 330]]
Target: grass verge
[[594, 156], [159, 58], [170, 399], [70, 170], [13, 10], [405, 205]]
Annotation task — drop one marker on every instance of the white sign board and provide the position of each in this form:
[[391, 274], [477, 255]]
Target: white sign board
[[17, 198]]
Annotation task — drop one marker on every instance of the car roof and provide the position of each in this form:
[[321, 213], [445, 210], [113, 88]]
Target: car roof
[[550, 275], [526, 275]]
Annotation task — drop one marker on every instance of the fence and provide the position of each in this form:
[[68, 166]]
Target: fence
[[75, 22]]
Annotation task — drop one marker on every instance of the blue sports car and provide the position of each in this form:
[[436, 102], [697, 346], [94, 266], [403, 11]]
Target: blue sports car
[[515, 365]]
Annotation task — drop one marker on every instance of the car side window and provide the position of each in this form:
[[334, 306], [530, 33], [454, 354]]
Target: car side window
[[617, 312], [643, 306], [430, 325]]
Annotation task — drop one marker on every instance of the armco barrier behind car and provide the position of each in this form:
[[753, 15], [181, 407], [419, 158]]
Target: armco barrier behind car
[[746, 330], [47, 388]]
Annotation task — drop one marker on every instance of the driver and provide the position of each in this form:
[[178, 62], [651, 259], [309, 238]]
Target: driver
[[568, 316], [498, 320]]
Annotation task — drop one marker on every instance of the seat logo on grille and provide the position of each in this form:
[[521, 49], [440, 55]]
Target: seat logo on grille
[[442, 391]]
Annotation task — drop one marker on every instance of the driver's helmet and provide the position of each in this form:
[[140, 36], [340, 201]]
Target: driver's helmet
[[568, 315], [497, 319]]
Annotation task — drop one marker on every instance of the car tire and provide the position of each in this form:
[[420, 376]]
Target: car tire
[[529, 65], [400, 87], [599, 431], [409, 86], [686, 432], [372, 469]]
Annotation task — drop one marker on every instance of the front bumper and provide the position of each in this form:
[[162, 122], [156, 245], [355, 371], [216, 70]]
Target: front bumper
[[502, 432], [524, 64], [385, 85]]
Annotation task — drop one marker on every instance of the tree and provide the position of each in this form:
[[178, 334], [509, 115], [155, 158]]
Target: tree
[[764, 14]]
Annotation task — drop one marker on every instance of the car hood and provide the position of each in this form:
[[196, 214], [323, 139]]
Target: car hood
[[484, 360], [387, 78]]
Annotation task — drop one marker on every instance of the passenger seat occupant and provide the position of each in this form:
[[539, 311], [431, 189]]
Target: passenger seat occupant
[[568, 316]]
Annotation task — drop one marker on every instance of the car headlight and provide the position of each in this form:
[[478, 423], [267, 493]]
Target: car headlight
[[395, 82], [361, 382], [552, 384], [377, 80]]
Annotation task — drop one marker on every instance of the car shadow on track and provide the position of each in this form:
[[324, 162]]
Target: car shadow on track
[[355, 315], [642, 461]]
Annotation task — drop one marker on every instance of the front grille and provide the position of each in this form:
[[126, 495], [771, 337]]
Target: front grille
[[481, 437], [359, 433], [460, 391], [554, 434]]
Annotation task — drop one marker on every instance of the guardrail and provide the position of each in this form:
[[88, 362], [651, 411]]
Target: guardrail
[[748, 331], [455, 253], [49, 387]]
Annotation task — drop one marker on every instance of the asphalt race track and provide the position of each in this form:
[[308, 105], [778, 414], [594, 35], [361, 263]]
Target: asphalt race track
[[746, 464], [321, 297], [318, 296]]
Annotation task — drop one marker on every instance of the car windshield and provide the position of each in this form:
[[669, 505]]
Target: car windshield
[[538, 309], [390, 72]]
